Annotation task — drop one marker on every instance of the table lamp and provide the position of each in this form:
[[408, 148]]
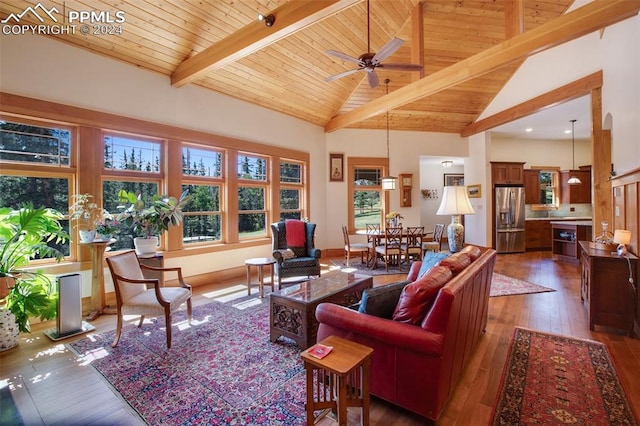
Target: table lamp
[[455, 202], [622, 237]]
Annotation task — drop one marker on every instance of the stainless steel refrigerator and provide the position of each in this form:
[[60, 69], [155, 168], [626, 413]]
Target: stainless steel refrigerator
[[510, 215]]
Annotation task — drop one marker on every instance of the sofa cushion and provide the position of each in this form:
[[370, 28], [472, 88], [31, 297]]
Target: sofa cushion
[[456, 262], [473, 251], [416, 298], [430, 260], [381, 301]]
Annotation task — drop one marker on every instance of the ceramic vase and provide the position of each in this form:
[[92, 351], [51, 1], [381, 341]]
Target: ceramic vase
[[145, 245], [9, 332], [87, 236]]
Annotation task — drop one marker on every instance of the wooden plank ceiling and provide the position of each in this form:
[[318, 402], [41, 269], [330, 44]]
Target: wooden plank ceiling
[[287, 75]]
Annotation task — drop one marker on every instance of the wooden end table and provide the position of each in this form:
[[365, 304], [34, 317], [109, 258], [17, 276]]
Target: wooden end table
[[339, 380], [292, 310], [260, 263]]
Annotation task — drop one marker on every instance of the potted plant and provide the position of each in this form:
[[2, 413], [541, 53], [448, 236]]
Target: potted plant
[[107, 228], [24, 234], [150, 219], [85, 214]]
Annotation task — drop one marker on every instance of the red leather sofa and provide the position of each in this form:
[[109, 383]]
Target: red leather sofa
[[416, 365]]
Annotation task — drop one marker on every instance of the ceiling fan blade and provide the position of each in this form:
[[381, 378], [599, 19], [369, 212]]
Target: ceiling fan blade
[[387, 50], [342, 74], [345, 57], [401, 67], [372, 77]]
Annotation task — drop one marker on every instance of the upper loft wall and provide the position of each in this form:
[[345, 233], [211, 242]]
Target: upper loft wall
[[537, 152], [41, 68], [616, 53]]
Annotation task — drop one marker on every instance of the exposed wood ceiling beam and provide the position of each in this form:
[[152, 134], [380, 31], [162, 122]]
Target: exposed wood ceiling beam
[[514, 18], [582, 21], [290, 18], [417, 40], [557, 96]]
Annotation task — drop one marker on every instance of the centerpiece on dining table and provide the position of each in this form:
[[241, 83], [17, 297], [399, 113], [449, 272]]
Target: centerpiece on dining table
[[393, 220]]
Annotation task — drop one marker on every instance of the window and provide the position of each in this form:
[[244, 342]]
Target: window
[[132, 164], [42, 176], [202, 173], [252, 208], [290, 190], [549, 194], [367, 199]]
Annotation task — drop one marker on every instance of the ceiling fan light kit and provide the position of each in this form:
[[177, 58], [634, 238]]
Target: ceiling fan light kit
[[369, 61]]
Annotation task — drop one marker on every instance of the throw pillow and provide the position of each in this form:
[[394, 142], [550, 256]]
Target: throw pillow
[[418, 297], [286, 253], [381, 301], [473, 251], [429, 261], [456, 262]]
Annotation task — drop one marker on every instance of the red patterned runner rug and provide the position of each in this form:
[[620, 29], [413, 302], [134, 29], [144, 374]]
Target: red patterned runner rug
[[550, 379], [502, 285]]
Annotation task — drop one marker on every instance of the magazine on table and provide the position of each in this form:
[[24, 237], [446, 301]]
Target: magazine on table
[[320, 351]]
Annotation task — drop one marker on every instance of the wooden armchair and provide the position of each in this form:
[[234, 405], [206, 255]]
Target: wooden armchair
[[133, 297]]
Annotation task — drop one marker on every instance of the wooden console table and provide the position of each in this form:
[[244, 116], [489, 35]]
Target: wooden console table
[[605, 287]]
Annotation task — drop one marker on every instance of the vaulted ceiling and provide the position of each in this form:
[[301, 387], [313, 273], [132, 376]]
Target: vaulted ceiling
[[469, 50]]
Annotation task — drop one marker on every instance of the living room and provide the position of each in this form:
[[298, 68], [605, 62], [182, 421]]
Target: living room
[[76, 78]]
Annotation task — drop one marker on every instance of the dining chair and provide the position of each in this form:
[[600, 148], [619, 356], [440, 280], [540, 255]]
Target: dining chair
[[349, 247], [391, 250], [436, 242], [137, 295], [373, 239], [412, 246]]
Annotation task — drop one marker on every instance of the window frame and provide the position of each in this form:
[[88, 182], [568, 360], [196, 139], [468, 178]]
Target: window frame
[[354, 163], [555, 179]]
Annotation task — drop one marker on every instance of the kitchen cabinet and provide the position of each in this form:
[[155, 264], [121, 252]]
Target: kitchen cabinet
[[565, 236], [605, 287], [576, 194], [507, 173], [537, 235], [531, 186]]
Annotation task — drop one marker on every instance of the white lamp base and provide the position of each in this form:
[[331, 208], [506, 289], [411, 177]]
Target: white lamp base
[[455, 234]]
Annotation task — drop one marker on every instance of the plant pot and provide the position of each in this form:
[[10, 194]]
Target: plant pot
[[87, 236], [145, 245], [9, 332]]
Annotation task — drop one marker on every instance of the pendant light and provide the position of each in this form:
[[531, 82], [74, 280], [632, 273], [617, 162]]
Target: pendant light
[[388, 182], [573, 180]]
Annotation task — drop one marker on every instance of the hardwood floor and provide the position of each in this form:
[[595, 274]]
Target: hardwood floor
[[51, 387]]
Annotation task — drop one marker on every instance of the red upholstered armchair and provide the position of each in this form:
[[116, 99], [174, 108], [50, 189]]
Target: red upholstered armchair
[[295, 255]]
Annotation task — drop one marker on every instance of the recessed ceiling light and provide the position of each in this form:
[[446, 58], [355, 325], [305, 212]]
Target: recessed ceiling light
[[528, 130]]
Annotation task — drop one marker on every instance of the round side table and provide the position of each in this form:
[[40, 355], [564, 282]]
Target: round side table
[[260, 263]]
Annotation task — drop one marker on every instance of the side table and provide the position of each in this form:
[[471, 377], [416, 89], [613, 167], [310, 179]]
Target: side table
[[260, 263], [339, 380]]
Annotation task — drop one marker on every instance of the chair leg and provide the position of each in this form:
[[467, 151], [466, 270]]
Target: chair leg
[[141, 320], [189, 310], [167, 321], [118, 331]]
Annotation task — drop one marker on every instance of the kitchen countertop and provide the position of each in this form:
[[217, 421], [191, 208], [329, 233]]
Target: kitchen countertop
[[555, 218], [573, 222]]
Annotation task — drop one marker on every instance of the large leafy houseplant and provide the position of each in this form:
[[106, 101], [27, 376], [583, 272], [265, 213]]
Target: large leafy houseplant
[[24, 235], [151, 218]]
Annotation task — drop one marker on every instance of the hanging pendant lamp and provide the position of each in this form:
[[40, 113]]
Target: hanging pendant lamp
[[573, 180], [388, 182]]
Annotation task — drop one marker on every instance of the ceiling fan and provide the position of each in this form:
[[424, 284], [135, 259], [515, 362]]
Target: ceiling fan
[[370, 61]]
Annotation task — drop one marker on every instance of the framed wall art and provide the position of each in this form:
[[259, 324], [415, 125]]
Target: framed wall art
[[453, 179], [336, 167], [474, 191]]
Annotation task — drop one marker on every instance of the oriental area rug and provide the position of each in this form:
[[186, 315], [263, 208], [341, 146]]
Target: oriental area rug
[[502, 285], [550, 379], [220, 370]]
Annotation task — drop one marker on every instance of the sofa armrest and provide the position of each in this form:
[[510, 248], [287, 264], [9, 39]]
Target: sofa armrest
[[405, 336]]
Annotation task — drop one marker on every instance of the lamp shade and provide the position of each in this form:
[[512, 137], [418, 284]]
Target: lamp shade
[[455, 201], [622, 236]]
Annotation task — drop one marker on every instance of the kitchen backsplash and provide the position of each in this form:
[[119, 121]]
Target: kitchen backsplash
[[580, 210]]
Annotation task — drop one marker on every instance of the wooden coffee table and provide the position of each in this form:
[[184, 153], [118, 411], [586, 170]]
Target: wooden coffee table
[[292, 310]]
